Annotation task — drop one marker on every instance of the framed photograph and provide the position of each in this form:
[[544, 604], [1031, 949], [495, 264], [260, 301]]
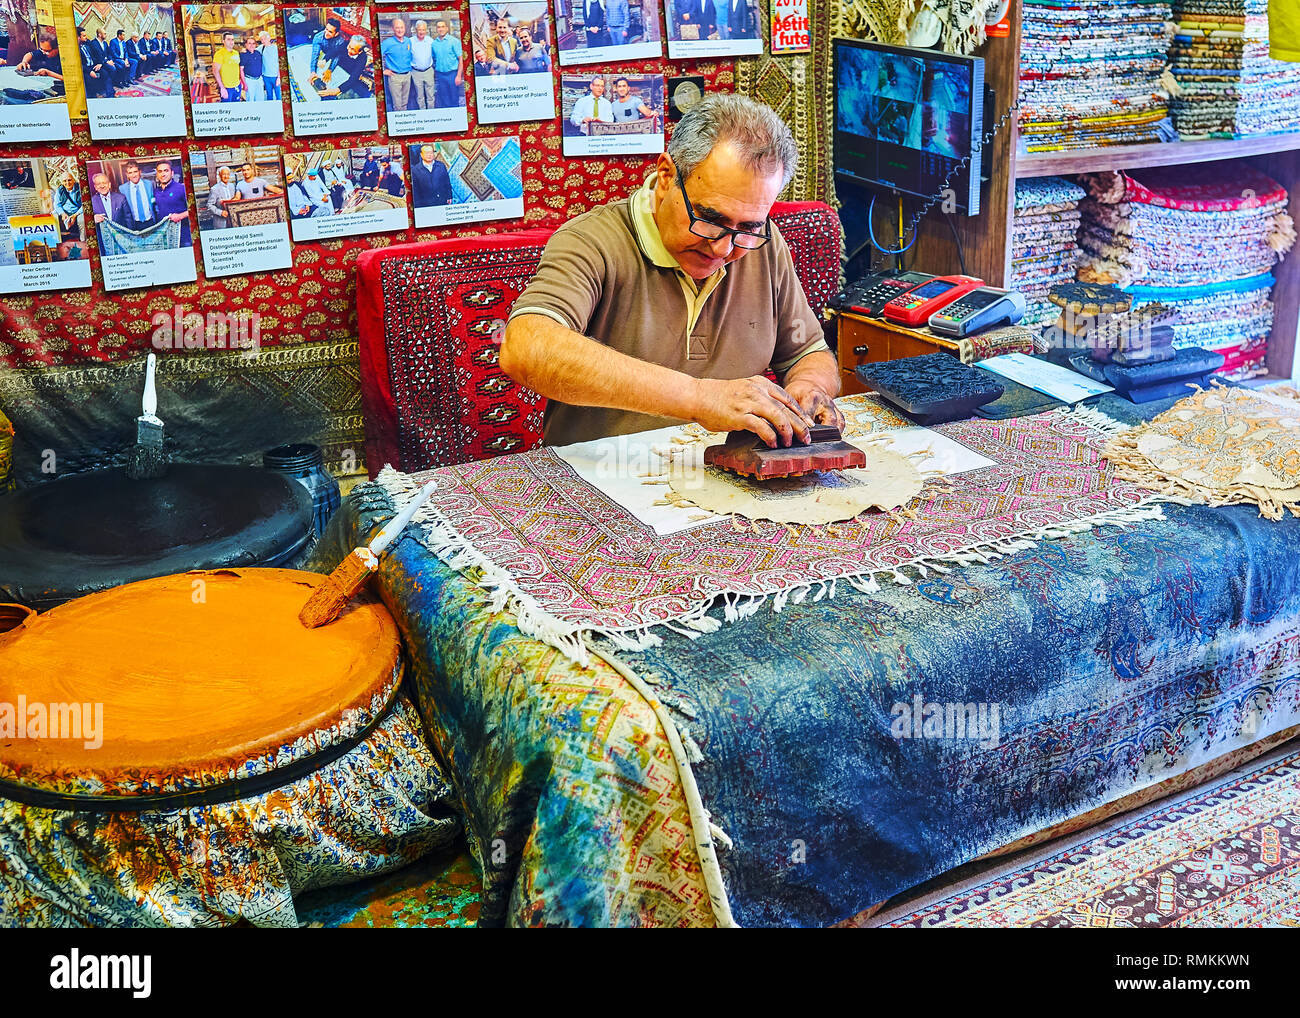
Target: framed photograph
[[35, 97], [234, 69], [43, 243], [612, 113], [342, 192], [243, 216], [713, 28], [606, 31], [140, 208], [469, 181], [425, 67], [131, 70], [512, 61], [332, 70]]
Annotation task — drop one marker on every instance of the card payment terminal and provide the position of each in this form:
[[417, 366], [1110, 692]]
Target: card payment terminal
[[984, 308], [915, 307]]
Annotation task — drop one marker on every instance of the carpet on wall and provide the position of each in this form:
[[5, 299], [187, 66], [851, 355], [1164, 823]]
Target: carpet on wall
[[1226, 854], [799, 88]]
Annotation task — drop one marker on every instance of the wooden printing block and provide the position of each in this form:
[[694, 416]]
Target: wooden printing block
[[746, 453]]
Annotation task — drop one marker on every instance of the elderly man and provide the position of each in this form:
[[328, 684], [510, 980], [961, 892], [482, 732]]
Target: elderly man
[[669, 306], [222, 191], [395, 53], [106, 205], [592, 106], [424, 81], [270, 65]]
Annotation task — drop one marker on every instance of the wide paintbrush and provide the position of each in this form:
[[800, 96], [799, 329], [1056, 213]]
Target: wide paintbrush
[[331, 597], [147, 460]]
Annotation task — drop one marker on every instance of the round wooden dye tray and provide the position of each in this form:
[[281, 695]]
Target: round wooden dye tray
[[211, 690], [89, 532]]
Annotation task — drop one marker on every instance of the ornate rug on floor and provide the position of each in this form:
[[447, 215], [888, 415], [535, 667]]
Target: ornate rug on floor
[[572, 561], [1226, 855]]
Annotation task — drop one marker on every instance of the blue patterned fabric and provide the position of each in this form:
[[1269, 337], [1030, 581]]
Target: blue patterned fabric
[[1115, 659], [164, 235], [503, 170]]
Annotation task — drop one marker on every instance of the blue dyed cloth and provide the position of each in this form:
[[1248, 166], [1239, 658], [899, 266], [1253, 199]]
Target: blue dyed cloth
[[1111, 661]]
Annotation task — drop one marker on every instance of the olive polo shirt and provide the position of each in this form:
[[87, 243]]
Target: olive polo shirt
[[607, 274]]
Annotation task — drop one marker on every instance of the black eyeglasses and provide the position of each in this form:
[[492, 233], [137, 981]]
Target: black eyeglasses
[[713, 231]]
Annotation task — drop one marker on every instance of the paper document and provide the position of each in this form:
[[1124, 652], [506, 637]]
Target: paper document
[[1058, 382]]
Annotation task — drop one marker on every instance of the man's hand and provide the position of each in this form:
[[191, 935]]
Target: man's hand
[[814, 402], [751, 404]]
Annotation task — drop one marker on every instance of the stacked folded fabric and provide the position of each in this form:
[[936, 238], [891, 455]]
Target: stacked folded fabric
[[1203, 238], [1227, 83], [1043, 245], [1143, 383], [1092, 72]]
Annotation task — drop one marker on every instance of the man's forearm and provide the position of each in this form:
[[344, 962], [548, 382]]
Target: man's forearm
[[567, 366], [819, 370]]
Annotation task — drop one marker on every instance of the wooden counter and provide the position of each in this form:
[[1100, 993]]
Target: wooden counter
[[862, 340]]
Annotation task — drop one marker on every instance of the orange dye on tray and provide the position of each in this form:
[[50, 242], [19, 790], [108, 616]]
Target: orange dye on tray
[[196, 672]]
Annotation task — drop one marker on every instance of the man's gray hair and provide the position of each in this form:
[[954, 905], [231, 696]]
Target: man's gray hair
[[761, 138]]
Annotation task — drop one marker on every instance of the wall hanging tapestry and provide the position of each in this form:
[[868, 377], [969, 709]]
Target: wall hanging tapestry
[[574, 560], [1222, 446]]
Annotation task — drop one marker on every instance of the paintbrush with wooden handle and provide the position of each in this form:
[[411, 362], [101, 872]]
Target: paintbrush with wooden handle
[[332, 596]]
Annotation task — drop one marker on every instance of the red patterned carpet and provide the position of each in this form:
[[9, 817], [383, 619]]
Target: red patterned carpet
[[1226, 854]]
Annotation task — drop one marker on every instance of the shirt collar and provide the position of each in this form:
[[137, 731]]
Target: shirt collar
[[648, 237], [647, 230]]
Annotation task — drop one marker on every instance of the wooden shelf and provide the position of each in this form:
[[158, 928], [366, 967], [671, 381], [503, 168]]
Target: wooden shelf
[[1125, 157]]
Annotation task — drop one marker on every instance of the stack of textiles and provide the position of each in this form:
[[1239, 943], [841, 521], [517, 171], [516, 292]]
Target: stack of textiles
[[1203, 238], [1043, 245], [1227, 83], [1093, 72]]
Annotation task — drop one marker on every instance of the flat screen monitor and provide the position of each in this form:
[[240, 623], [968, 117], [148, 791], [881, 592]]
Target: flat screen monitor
[[904, 118]]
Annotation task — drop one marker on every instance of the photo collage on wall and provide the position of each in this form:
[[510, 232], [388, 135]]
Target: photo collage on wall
[[128, 69]]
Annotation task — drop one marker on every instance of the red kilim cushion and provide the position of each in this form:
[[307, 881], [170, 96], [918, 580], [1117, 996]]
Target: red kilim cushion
[[430, 319]]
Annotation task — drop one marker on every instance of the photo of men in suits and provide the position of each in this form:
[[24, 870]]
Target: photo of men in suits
[[139, 196], [127, 50], [515, 38], [590, 31], [714, 21]]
